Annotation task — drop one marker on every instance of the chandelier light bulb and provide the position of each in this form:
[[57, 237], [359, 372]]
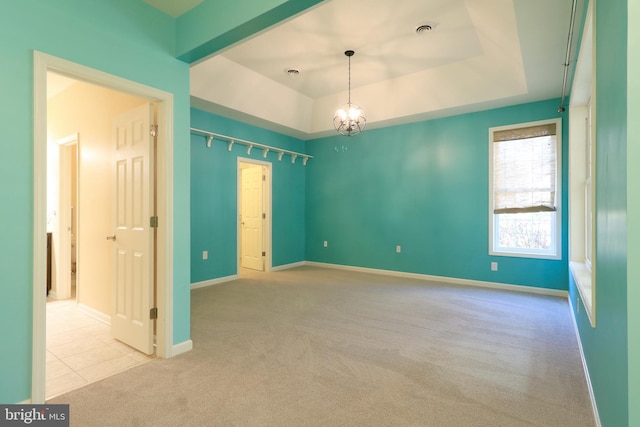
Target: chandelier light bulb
[[355, 113]]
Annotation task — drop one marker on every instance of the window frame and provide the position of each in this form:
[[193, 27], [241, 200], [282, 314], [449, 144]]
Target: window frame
[[589, 190], [556, 252], [582, 172]]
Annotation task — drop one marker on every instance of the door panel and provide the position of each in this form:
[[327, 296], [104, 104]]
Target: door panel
[[133, 237]]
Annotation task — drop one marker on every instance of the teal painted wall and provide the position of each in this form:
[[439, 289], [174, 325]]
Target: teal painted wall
[[633, 210], [606, 346], [214, 196], [122, 37], [423, 186]]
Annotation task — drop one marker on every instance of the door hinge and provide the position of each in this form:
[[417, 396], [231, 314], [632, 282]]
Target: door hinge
[[264, 177], [153, 131], [264, 215], [153, 222], [153, 313], [264, 253]]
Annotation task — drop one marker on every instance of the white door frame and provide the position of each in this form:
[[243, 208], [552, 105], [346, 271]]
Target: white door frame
[[44, 63], [267, 208]]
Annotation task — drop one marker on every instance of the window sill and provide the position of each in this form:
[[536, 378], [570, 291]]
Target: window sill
[[584, 282], [524, 254]]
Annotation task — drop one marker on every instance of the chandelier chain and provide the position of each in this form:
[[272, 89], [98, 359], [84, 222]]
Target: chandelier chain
[[349, 80]]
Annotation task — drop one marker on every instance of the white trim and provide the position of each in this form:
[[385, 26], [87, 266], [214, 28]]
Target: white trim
[[447, 280], [92, 312], [269, 205], [582, 107], [44, 63], [288, 266], [592, 396], [38, 352], [164, 237], [62, 239], [558, 213], [425, 277], [212, 282], [69, 139], [182, 347]]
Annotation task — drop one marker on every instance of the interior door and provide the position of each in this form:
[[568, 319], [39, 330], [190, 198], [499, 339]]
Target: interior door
[[252, 217], [133, 252]]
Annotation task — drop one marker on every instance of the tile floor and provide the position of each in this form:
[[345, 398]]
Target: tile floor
[[80, 349]]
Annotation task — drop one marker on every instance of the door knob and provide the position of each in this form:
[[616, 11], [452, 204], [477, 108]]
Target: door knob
[[112, 237]]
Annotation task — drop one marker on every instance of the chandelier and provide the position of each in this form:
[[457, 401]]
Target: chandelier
[[349, 120]]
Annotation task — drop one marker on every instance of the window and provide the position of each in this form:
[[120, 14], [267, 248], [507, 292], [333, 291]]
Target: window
[[525, 190], [582, 178]]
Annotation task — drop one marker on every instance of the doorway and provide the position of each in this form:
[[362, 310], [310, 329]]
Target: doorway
[[43, 64], [254, 215], [81, 328]]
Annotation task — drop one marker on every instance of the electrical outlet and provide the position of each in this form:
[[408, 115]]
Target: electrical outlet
[[205, 254], [398, 249], [494, 266], [326, 243]]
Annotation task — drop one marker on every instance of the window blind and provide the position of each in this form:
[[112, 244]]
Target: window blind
[[524, 169]]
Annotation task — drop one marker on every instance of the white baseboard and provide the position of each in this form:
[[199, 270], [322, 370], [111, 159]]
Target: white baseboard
[[212, 282], [183, 347], [592, 396], [92, 312], [449, 280], [288, 266]]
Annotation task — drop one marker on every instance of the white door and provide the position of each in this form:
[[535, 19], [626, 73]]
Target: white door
[[133, 245], [252, 217]]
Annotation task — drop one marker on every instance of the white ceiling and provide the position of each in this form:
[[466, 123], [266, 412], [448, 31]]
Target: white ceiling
[[481, 54]]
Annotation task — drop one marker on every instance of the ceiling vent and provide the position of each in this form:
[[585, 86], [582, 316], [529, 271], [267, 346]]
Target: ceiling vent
[[426, 27]]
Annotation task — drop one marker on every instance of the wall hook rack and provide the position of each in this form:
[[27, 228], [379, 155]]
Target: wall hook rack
[[210, 136]]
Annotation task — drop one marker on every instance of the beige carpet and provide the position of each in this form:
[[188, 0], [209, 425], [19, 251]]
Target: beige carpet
[[321, 347]]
